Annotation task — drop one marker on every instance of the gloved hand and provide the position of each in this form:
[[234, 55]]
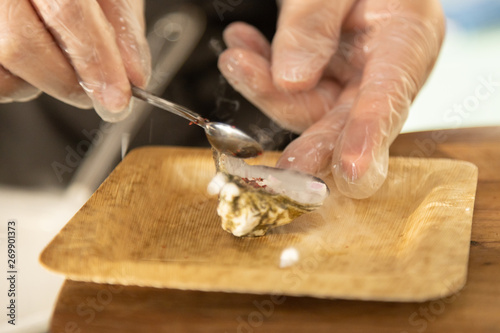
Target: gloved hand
[[79, 51], [343, 73]]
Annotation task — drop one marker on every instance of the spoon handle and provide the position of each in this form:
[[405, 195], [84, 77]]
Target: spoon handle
[[169, 106]]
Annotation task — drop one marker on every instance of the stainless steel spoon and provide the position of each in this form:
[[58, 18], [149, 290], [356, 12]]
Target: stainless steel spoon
[[225, 138]]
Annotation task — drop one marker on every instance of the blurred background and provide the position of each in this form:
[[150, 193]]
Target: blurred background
[[49, 168]]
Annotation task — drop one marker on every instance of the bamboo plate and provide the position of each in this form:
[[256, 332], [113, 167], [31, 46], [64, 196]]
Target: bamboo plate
[[151, 223]]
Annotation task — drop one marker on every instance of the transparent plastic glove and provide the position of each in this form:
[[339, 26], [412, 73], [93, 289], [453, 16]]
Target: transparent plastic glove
[[82, 52], [343, 73]]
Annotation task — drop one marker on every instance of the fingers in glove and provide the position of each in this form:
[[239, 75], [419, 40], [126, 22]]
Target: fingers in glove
[[306, 39], [88, 39], [14, 89], [250, 74], [312, 151], [398, 62], [28, 51], [244, 36], [127, 19]]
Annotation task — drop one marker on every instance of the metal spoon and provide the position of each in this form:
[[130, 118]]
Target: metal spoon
[[225, 138]]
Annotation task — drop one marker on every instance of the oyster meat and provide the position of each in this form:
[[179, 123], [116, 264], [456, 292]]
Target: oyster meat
[[254, 198]]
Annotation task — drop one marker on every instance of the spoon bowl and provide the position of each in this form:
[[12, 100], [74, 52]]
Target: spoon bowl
[[231, 141]]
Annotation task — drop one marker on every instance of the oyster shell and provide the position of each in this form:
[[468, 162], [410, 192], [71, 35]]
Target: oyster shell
[[254, 198]]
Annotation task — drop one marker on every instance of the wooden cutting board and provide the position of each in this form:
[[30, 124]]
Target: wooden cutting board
[[151, 223]]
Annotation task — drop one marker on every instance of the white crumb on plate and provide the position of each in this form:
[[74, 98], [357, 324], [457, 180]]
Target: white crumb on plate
[[291, 159], [289, 256]]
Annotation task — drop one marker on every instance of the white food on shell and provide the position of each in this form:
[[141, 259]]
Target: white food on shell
[[216, 184], [253, 198], [243, 223]]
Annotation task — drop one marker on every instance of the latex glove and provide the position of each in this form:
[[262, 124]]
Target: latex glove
[[342, 73], [81, 52]]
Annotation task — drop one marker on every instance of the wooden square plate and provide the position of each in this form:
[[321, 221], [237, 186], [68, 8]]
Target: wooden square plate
[[152, 223]]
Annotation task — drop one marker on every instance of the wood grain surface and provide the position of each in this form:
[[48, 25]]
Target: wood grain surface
[[151, 223], [90, 307]]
